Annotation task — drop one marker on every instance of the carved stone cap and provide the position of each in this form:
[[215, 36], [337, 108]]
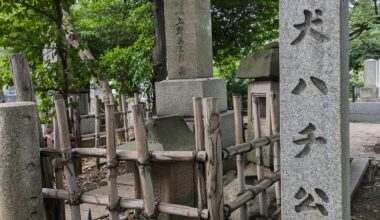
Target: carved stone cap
[[263, 64]]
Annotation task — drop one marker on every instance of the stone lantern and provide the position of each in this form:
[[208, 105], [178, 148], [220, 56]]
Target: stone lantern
[[263, 68]]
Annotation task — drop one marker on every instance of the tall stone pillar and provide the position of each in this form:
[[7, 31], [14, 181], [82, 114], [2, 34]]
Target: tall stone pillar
[[190, 64], [20, 170], [189, 59], [314, 109]]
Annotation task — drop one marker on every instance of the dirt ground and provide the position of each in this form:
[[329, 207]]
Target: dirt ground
[[365, 142]]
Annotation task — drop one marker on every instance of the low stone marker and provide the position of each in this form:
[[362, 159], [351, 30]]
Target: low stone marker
[[314, 105], [20, 170]]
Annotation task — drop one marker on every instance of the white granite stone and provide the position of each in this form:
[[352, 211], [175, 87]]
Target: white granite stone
[[314, 110]]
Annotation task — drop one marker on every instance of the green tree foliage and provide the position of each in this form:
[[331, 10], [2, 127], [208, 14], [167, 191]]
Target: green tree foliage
[[241, 27], [364, 32], [121, 36]]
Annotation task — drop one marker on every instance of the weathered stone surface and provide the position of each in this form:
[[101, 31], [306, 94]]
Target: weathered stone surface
[[172, 132], [87, 126], [20, 171], [365, 111], [371, 73], [262, 64], [188, 39], [175, 96], [369, 92], [314, 110]]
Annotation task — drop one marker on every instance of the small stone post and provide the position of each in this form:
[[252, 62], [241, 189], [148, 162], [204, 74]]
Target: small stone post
[[20, 169], [315, 173]]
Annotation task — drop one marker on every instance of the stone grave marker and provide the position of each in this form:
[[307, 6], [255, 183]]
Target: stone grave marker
[[314, 105], [371, 73], [370, 91], [189, 59]]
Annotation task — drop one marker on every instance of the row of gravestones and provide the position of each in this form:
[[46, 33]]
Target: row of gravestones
[[370, 92]]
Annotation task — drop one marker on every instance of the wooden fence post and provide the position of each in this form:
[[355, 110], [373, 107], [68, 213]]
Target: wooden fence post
[[67, 157], [97, 129], [25, 93], [58, 169], [124, 109], [143, 161], [199, 143], [214, 162], [77, 133], [259, 157], [276, 146], [243, 211], [112, 162]]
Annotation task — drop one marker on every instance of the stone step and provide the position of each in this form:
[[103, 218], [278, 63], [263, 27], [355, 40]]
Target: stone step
[[358, 169]]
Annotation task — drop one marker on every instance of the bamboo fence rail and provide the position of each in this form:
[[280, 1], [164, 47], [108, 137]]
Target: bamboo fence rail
[[208, 163], [127, 203]]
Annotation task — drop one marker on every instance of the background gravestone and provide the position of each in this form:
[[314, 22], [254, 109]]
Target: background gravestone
[[314, 106], [370, 92]]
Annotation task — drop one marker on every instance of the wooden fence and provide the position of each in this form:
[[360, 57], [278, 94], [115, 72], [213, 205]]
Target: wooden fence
[[208, 160]]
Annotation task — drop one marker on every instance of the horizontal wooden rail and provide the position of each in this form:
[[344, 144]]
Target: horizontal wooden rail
[[163, 156], [230, 152], [101, 134], [101, 115], [251, 192], [127, 203]]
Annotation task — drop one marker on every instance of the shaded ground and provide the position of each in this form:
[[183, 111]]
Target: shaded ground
[[366, 204], [365, 142]]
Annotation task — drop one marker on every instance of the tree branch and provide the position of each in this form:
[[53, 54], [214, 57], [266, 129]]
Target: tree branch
[[29, 6]]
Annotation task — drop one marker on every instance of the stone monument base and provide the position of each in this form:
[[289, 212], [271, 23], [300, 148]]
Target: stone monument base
[[175, 96], [369, 94]]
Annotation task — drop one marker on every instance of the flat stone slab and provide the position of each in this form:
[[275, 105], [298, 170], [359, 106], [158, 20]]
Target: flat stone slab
[[358, 169], [175, 97], [172, 132], [365, 111]]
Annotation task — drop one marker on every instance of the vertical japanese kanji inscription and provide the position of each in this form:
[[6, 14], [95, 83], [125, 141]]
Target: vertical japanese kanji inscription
[[188, 39], [313, 105]]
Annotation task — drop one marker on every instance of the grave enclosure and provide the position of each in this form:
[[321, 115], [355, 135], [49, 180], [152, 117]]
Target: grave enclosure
[[310, 148]]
